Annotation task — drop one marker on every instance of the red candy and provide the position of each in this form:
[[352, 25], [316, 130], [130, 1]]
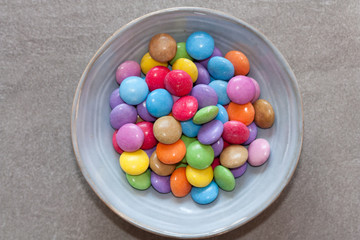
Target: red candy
[[215, 163], [115, 145], [178, 83], [235, 132], [185, 108], [155, 77], [149, 138]]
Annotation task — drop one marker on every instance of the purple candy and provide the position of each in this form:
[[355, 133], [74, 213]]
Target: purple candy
[[210, 132], [175, 98], [253, 133], [218, 146], [150, 151], [130, 137], [127, 69], [203, 75], [143, 112], [215, 53], [115, 98], [122, 114], [205, 95], [241, 89], [239, 171], [160, 183]]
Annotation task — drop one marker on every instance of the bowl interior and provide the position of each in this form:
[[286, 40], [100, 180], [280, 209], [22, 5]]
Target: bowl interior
[[163, 213]]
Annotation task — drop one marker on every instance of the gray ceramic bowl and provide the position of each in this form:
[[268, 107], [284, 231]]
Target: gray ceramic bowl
[[163, 213]]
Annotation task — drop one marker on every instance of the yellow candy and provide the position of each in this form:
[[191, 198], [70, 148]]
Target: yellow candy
[[199, 178], [187, 66], [134, 163], [147, 63]]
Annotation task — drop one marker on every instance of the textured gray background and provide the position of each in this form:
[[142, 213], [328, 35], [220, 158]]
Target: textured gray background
[[45, 46]]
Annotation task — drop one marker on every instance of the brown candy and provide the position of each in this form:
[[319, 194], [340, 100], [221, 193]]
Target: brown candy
[[162, 47], [264, 113], [167, 130], [160, 168], [234, 156]]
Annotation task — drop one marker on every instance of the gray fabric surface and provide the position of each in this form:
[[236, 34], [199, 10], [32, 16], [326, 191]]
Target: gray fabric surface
[[45, 46]]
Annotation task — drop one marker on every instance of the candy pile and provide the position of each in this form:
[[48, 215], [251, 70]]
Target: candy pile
[[183, 129]]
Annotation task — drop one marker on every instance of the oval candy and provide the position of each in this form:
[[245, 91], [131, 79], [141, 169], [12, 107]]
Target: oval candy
[[140, 182], [234, 156]]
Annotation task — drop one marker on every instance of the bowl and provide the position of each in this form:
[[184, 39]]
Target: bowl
[[164, 214]]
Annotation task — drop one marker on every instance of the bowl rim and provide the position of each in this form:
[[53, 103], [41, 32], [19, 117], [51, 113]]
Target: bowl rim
[[105, 45]]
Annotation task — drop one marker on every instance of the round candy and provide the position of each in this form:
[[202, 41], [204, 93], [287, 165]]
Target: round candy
[[240, 62], [122, 114], [224, 178], [143, 112], [206, 194], [187, 66], [130, 137], [181, 53], [222, 115], [239, 171], [115, 98], [155, 78], [203, 75], [220, 68], [160, 183], [185, 108], [199, 177], [234, 156], [150, 151], [187, 140], [259, 152], [241, 89], [179, 184], [171, 153], [264, 113], [133, 90], [149, 138], [115, 145], [162, 47], [218, 146], [178, 83], [257, 91], [200, 45], [253, 133], [215, 163], [127, 69], [147, 63], [159, 167], [159, 103], [244, 113], [134, 163], [140, 182], [205, 114], [189, 128], [199, 156], [215, 53], [210, 132], [167, 130], [205, 95], [220, 88], [235, 132]]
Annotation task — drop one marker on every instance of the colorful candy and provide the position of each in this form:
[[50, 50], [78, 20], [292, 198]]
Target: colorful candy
[[244, 113], [179, 183], [167, 130], [141, 181], [122, 114], [188, 66], [259, 152], [115, 99], [199, 156], [264, 114], [133, 90], [239, 61], [130, 137], [147, 63], [199, 177], [206, 194], [149, 138], [181, 53], [155, 78], [134, 163], [224, 178], [160, 183], [159, 103], [159, 167], [127, 69], [220, 68], [178, 83], [171, 153], [200, 45], [234, 156], [210, 132], [205, 95], [162, 47], [205, 114], [185, 108], [241, 89]]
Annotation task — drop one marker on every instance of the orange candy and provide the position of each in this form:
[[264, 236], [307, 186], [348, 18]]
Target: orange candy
[[244, 113], [171, 153], [179, 185], [240, 62]]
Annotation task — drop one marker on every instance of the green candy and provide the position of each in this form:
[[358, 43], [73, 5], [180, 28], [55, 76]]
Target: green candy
[[187, 141], [140, 182], [224, 178], [181, 164], [206, 114], [199, 156], [181, 53]]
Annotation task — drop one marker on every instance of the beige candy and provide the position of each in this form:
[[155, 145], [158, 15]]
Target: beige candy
[[160, 168], [167, 130], [162, 47], [264, 114], [234, 156]]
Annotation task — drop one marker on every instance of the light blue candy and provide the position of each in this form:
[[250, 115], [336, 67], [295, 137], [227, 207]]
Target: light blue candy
[[133, 90], [189, 128], [220, 68], [222, 115], [220, 88], [205, 195], [159, 103], [200, 45]]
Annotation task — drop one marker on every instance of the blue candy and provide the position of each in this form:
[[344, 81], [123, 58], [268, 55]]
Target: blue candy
[[189, 128], [200, 45], [220, 68], [159, 103], [133, 90], [222, 115], [205, 195], [220, 88]]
